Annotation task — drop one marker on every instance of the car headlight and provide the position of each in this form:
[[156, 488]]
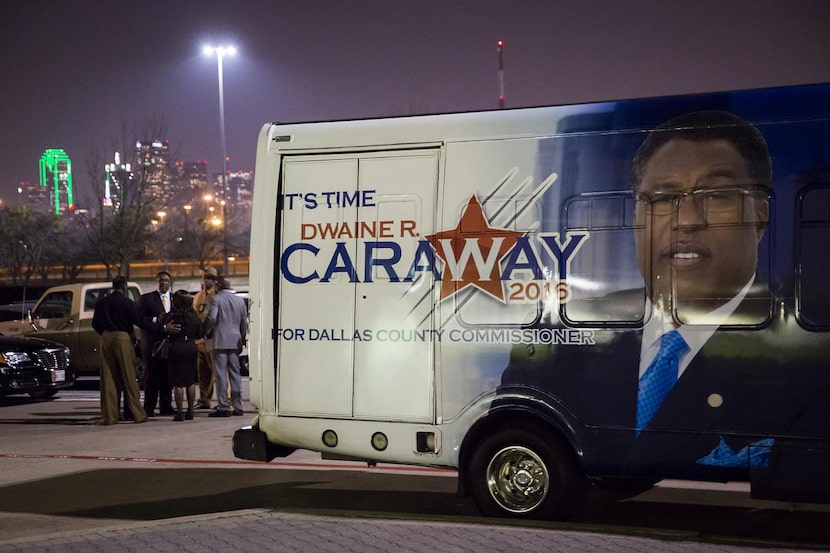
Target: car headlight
[[14, 357]]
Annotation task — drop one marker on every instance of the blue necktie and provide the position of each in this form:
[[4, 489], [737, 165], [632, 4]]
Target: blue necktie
[[659, 377]]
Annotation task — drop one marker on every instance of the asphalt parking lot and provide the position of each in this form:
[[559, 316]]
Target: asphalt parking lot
[[67, 484]]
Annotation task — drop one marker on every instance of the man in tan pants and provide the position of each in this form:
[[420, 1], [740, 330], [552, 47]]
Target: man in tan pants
[[114, 318], [204, 360]]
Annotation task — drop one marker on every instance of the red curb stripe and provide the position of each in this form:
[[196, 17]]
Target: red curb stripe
[[342, 466]]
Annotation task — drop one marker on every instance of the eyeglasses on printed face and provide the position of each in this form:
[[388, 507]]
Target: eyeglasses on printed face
[[708, 201]]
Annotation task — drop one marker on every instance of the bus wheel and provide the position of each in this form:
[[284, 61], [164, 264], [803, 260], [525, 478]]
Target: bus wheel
[[524, 474]]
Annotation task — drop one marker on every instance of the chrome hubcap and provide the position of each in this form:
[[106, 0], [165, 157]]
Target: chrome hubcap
[[518, 479]]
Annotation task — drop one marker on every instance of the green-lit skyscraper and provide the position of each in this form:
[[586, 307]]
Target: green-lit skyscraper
[[56, 175]]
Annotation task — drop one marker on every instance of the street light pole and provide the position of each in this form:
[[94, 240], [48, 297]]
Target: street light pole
[[221, 52]]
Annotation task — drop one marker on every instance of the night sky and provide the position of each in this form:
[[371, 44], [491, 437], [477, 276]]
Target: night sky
[[73, 73]]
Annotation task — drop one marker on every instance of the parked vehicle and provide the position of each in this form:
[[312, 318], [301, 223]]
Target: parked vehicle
[[482, 291], [64, 314], [33, 366]]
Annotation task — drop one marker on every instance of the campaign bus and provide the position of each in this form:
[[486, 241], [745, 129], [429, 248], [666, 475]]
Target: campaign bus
[[547, 299]]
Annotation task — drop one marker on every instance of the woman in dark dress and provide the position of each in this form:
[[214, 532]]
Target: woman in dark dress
[[181, 357]]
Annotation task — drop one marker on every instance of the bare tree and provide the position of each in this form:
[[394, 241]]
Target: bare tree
[[239, 229], [119, 231], [148, 218], [191, 234], [67, 251], [24, 236]]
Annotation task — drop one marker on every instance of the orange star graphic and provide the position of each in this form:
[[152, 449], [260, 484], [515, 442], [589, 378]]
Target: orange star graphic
[[472, 226]]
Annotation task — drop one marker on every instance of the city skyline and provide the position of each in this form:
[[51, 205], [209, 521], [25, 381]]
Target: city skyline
[[172, 184], [79, 72]]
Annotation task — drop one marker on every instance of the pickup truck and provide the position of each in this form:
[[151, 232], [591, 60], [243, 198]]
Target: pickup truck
[[64, 314]]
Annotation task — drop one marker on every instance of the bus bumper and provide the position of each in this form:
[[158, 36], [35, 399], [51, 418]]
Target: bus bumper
[[252, 444]]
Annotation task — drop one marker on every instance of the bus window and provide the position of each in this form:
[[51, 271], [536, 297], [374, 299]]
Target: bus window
[[813, 256], [606, 285]]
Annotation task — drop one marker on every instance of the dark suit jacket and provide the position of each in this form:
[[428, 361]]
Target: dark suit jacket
[[150, 306], [745, 384]]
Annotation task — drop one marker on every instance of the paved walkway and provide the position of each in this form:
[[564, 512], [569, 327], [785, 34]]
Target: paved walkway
[[63, 469], [277, 532]]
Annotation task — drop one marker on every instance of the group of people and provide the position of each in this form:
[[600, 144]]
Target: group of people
[[185, 342]]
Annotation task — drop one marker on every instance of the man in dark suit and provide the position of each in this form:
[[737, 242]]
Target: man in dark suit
[[151, 307], [696, 390]]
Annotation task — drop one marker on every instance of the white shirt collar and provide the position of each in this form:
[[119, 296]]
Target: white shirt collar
[[695, 335]]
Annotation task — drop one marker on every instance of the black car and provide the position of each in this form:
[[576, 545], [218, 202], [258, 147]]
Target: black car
[[33, 366]]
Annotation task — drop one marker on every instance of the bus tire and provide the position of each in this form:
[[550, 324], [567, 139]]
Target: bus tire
[[522, 473]]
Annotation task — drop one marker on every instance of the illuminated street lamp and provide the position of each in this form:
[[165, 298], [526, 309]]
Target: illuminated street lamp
[[221, 52]]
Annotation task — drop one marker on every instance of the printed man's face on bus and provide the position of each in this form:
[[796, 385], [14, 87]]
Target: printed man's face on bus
[[700, 218]]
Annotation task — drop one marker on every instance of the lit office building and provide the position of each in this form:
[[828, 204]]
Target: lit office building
[[192, 179], [56, 177], [118, 183], [33, 196], [154, 159], [240, 187]]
